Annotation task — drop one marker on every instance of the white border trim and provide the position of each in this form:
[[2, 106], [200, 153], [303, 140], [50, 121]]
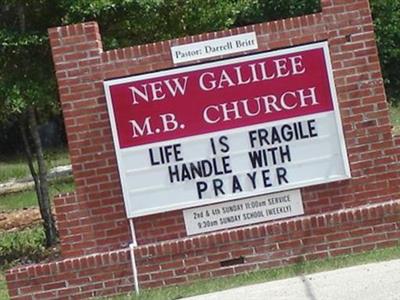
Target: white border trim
[[336, 108]]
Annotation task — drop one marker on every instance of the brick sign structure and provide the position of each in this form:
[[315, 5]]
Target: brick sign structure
[[347, 216]]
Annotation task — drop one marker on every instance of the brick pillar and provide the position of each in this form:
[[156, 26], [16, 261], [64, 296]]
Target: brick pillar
[[93, 219], [362, 100]]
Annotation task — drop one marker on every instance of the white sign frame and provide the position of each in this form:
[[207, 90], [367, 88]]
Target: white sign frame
[[160, 209]]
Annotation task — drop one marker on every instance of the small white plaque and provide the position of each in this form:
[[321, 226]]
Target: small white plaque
[[243, 212], [216, 47]]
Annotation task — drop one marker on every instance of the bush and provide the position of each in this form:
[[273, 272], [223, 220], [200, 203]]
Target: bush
[[25, 246], [135, 22], [386, 16]]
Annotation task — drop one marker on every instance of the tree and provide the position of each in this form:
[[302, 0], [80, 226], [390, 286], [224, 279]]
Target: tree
[[386, 14], [133, 22], [27, 87], [258, 11]]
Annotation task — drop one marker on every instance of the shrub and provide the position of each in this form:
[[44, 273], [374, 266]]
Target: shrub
[[25, 246]]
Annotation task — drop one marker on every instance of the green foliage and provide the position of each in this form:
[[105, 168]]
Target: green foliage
[[132, 22], [386, 16], [25, 63], [256, 11], [22, 246], [395, 118]]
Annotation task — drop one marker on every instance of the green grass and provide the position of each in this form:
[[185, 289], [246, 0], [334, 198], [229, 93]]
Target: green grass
[[16, 167], [395, 118], [28, 198], [13, 169], [218, 284], [3, 287]]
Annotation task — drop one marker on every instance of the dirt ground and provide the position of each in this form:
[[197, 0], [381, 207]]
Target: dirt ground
[[19, 219]]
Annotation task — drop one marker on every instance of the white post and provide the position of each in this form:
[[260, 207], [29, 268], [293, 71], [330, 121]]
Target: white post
[[132, 247]]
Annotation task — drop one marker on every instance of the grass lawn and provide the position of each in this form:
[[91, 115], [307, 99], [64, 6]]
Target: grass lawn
[[28, 198], [395, 118], [16, 167], [3, 288]]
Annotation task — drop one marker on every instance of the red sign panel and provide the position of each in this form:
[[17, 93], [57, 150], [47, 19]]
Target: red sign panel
[[195, 100]]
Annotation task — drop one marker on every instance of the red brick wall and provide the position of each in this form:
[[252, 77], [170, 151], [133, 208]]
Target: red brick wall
[[180, 261], [338, 218]]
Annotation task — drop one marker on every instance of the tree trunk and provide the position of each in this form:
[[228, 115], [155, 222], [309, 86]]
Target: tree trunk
[[30, 161], [44, 200], [40, 178]]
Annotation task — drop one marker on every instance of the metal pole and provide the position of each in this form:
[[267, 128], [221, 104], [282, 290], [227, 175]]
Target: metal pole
[[132, 247], [133, 233]]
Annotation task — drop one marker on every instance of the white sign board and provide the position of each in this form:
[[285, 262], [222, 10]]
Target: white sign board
[[216, 47], [243, 212], [226, 130]]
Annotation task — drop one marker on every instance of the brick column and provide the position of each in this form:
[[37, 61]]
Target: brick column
[[93, 219], [363, 107]]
